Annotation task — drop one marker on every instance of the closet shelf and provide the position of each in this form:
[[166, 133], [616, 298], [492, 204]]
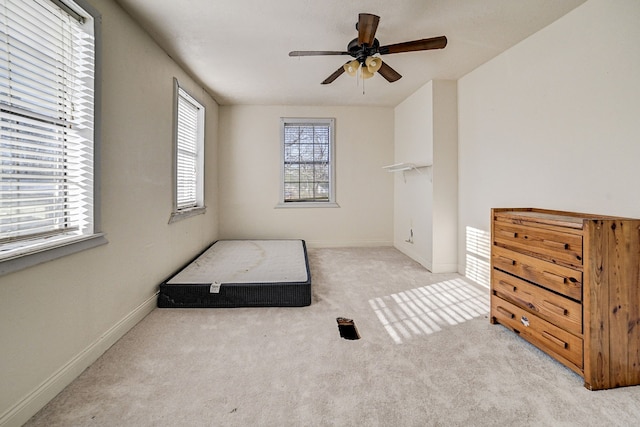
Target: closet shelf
[[403, 167]]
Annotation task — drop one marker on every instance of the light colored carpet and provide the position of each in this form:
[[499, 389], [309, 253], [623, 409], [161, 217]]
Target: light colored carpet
[[427, 357]]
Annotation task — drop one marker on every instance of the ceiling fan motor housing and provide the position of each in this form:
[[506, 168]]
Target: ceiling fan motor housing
[[362, 52]]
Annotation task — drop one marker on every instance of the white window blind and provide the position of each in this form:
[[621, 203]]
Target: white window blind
[[189, 142], [46, 121]]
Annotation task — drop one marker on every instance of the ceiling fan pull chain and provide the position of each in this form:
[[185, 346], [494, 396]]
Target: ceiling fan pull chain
[[362, 75]]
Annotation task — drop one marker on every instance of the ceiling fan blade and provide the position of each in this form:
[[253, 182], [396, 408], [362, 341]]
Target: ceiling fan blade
[[333, 76], [389, 73], [316, 52], [424, 44], [367, 26]]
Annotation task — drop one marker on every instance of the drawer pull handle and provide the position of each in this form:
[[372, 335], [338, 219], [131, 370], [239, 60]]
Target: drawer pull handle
[[555, 277], [506, 233], [554, 244], [556, 341], [506, 312], [506, 260], [507, 285], [556, 308]]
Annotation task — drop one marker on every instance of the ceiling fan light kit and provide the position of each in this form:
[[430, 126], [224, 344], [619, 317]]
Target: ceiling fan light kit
[[365, 73], [365, 47], [351, 67], [373, 63]]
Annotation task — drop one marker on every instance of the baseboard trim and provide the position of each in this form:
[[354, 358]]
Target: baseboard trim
[[445, 268], [414, 256], [347, 243], [20, 413]]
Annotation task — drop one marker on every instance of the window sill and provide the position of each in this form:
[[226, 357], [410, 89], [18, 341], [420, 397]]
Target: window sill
[[58, 249], [187, 213], [283, 205]]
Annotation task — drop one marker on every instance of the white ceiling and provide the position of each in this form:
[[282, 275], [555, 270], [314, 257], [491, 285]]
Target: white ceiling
[[238, 49]]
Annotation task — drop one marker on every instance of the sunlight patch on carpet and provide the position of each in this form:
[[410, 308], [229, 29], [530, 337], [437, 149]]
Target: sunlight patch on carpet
[[428, 309]]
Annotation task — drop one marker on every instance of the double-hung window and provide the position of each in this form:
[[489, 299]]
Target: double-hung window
[[307, 163], [47, 129], [189, 156]]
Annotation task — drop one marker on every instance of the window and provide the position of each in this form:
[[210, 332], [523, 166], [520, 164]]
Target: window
[[47, 130], [307, 162], [189, 156]]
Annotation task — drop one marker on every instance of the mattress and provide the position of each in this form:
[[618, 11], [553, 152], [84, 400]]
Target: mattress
[[242, 273]]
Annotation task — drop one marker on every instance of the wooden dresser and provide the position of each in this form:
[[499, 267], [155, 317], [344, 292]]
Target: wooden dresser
[[569, 283]]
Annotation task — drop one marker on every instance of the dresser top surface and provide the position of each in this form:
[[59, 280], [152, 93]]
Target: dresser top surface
[[559, 218]]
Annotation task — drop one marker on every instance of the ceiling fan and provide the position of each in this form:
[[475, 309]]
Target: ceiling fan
[[366, 46]]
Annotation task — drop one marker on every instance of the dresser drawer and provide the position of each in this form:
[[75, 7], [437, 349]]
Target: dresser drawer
[[554, 246], [552, 307], [560, 279], [555, 341]]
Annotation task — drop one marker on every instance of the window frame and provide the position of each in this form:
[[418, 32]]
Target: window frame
[[332, 201], [46, 249], [177, 213]]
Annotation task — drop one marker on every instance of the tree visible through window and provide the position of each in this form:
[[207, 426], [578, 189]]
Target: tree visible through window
[[307, 160]]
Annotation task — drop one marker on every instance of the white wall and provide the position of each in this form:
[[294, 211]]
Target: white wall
[[413, 191], [425, 200], [250, 177], [554, 122], [57, 317], [445, 176]]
